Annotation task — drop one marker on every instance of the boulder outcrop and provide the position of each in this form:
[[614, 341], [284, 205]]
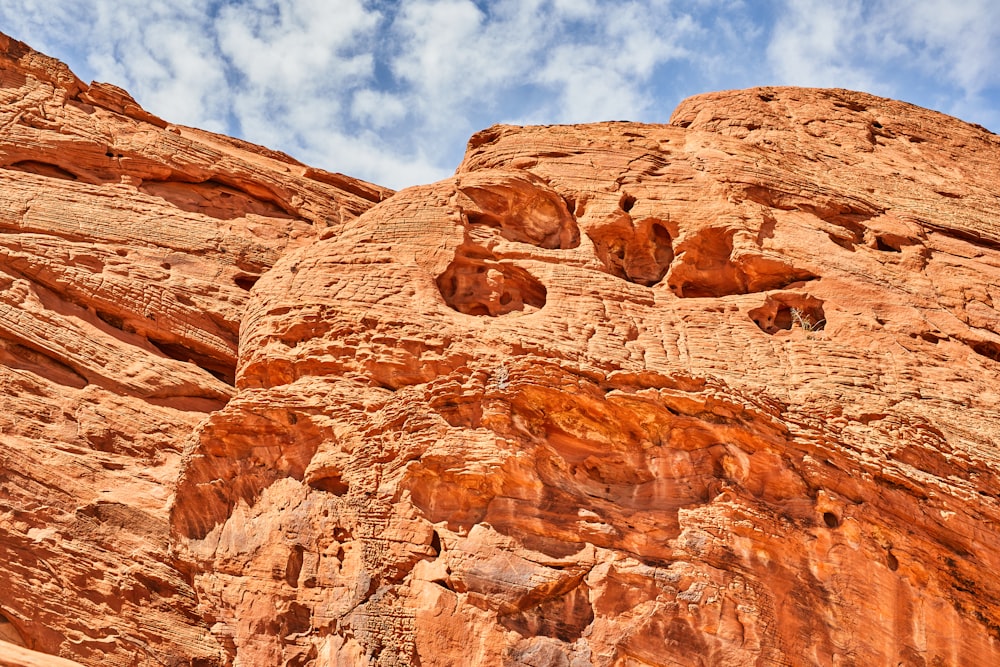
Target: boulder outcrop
[[716, 392]]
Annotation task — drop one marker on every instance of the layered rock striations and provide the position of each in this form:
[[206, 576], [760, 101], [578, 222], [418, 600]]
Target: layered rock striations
[[128, 248], [716, 392]]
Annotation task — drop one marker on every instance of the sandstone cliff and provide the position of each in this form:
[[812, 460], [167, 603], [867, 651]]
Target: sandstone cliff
[[717, 392], [128, 250]]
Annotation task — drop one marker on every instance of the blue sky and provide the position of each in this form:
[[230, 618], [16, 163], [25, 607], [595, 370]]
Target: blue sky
[[391, 91]]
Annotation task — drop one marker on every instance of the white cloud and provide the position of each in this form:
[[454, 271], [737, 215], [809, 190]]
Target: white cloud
[[576, 9], [285, 45], [815, 43], [530, 60], [962, 39], [290, 62], [391, 91], [377, 109], [604, 80], [933, 52], [177, 72], [368, 154], [451, 57]]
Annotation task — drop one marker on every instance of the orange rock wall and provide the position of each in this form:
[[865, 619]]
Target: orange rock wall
[[718, 392], [128, 247]]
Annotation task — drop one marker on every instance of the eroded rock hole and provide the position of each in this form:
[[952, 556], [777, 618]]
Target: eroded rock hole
[[43, 169], [853, 105], [708, 267], [9, 633], [783, 312], [436, 543], [570, 204], [525, 210], [483, 218], [705, 269], [294, 565], [663, 250], [14, 355], [627, 202], [489, 288], [564, 617], [639, 252], [843, 241], [246, 281], [218, 199], [444, 583], [891, 561], [883, 244], [831, 520], [332, 483], [221, 369], [111, 320], [987, 349], [927, 337], [297, 620]]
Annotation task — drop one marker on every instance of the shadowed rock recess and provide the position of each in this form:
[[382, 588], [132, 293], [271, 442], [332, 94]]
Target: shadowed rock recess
[[716, 392]]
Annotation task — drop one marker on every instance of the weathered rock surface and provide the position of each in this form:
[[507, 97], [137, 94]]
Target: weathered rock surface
[[128, 247], [718, 392], [14, 655]]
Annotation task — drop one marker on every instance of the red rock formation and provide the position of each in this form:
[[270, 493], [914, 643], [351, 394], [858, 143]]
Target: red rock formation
[[13, 655], [719, 392], [127, 253]]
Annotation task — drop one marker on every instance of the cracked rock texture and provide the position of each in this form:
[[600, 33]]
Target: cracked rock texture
[[716, 392]]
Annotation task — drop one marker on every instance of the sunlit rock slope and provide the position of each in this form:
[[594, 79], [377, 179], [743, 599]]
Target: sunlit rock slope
[[721, 391]]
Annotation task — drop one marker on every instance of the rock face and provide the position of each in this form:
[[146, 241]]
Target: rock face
[[718, 392], [128, 247]]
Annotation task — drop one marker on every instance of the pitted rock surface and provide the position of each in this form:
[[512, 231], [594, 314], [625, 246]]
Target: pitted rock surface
[[716, 392]]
